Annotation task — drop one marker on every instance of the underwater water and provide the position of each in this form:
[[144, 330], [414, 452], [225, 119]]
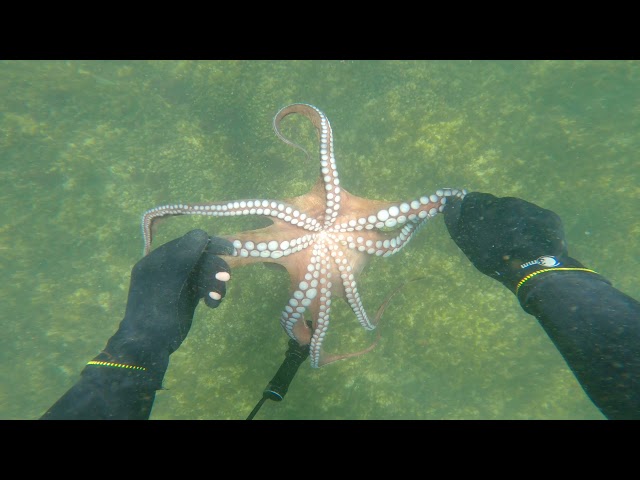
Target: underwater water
[[87, 146]]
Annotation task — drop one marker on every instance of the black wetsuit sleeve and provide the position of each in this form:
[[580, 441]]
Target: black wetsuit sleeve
[[105, 393], [596, 328]]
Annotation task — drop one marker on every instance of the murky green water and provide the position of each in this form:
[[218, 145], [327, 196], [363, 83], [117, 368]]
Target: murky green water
[[87, 147]]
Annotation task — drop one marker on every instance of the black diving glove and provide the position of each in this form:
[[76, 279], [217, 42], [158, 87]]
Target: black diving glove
[[508, 238], [165, 289]]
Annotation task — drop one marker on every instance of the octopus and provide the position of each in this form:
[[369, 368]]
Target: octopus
[[323, 238]]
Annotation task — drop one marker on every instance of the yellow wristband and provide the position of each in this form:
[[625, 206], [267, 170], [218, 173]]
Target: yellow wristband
[[117, 365], [544, 270]]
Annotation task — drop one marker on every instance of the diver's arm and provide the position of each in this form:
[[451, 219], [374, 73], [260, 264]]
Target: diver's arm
[[595, 327], [107, 393], [166, 286]]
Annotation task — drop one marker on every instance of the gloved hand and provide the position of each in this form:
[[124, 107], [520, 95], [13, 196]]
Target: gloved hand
[[165, 289], [507, 238]]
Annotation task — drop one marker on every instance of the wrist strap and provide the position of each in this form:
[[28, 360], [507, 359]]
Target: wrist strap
[[556, 269], [149, 371], [114, 364]]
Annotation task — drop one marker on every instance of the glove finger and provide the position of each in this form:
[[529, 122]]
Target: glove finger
[[185, 254], [214, 265], [210, 302], [170, 264], [209, 283], [192, 242], [220, 246]]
